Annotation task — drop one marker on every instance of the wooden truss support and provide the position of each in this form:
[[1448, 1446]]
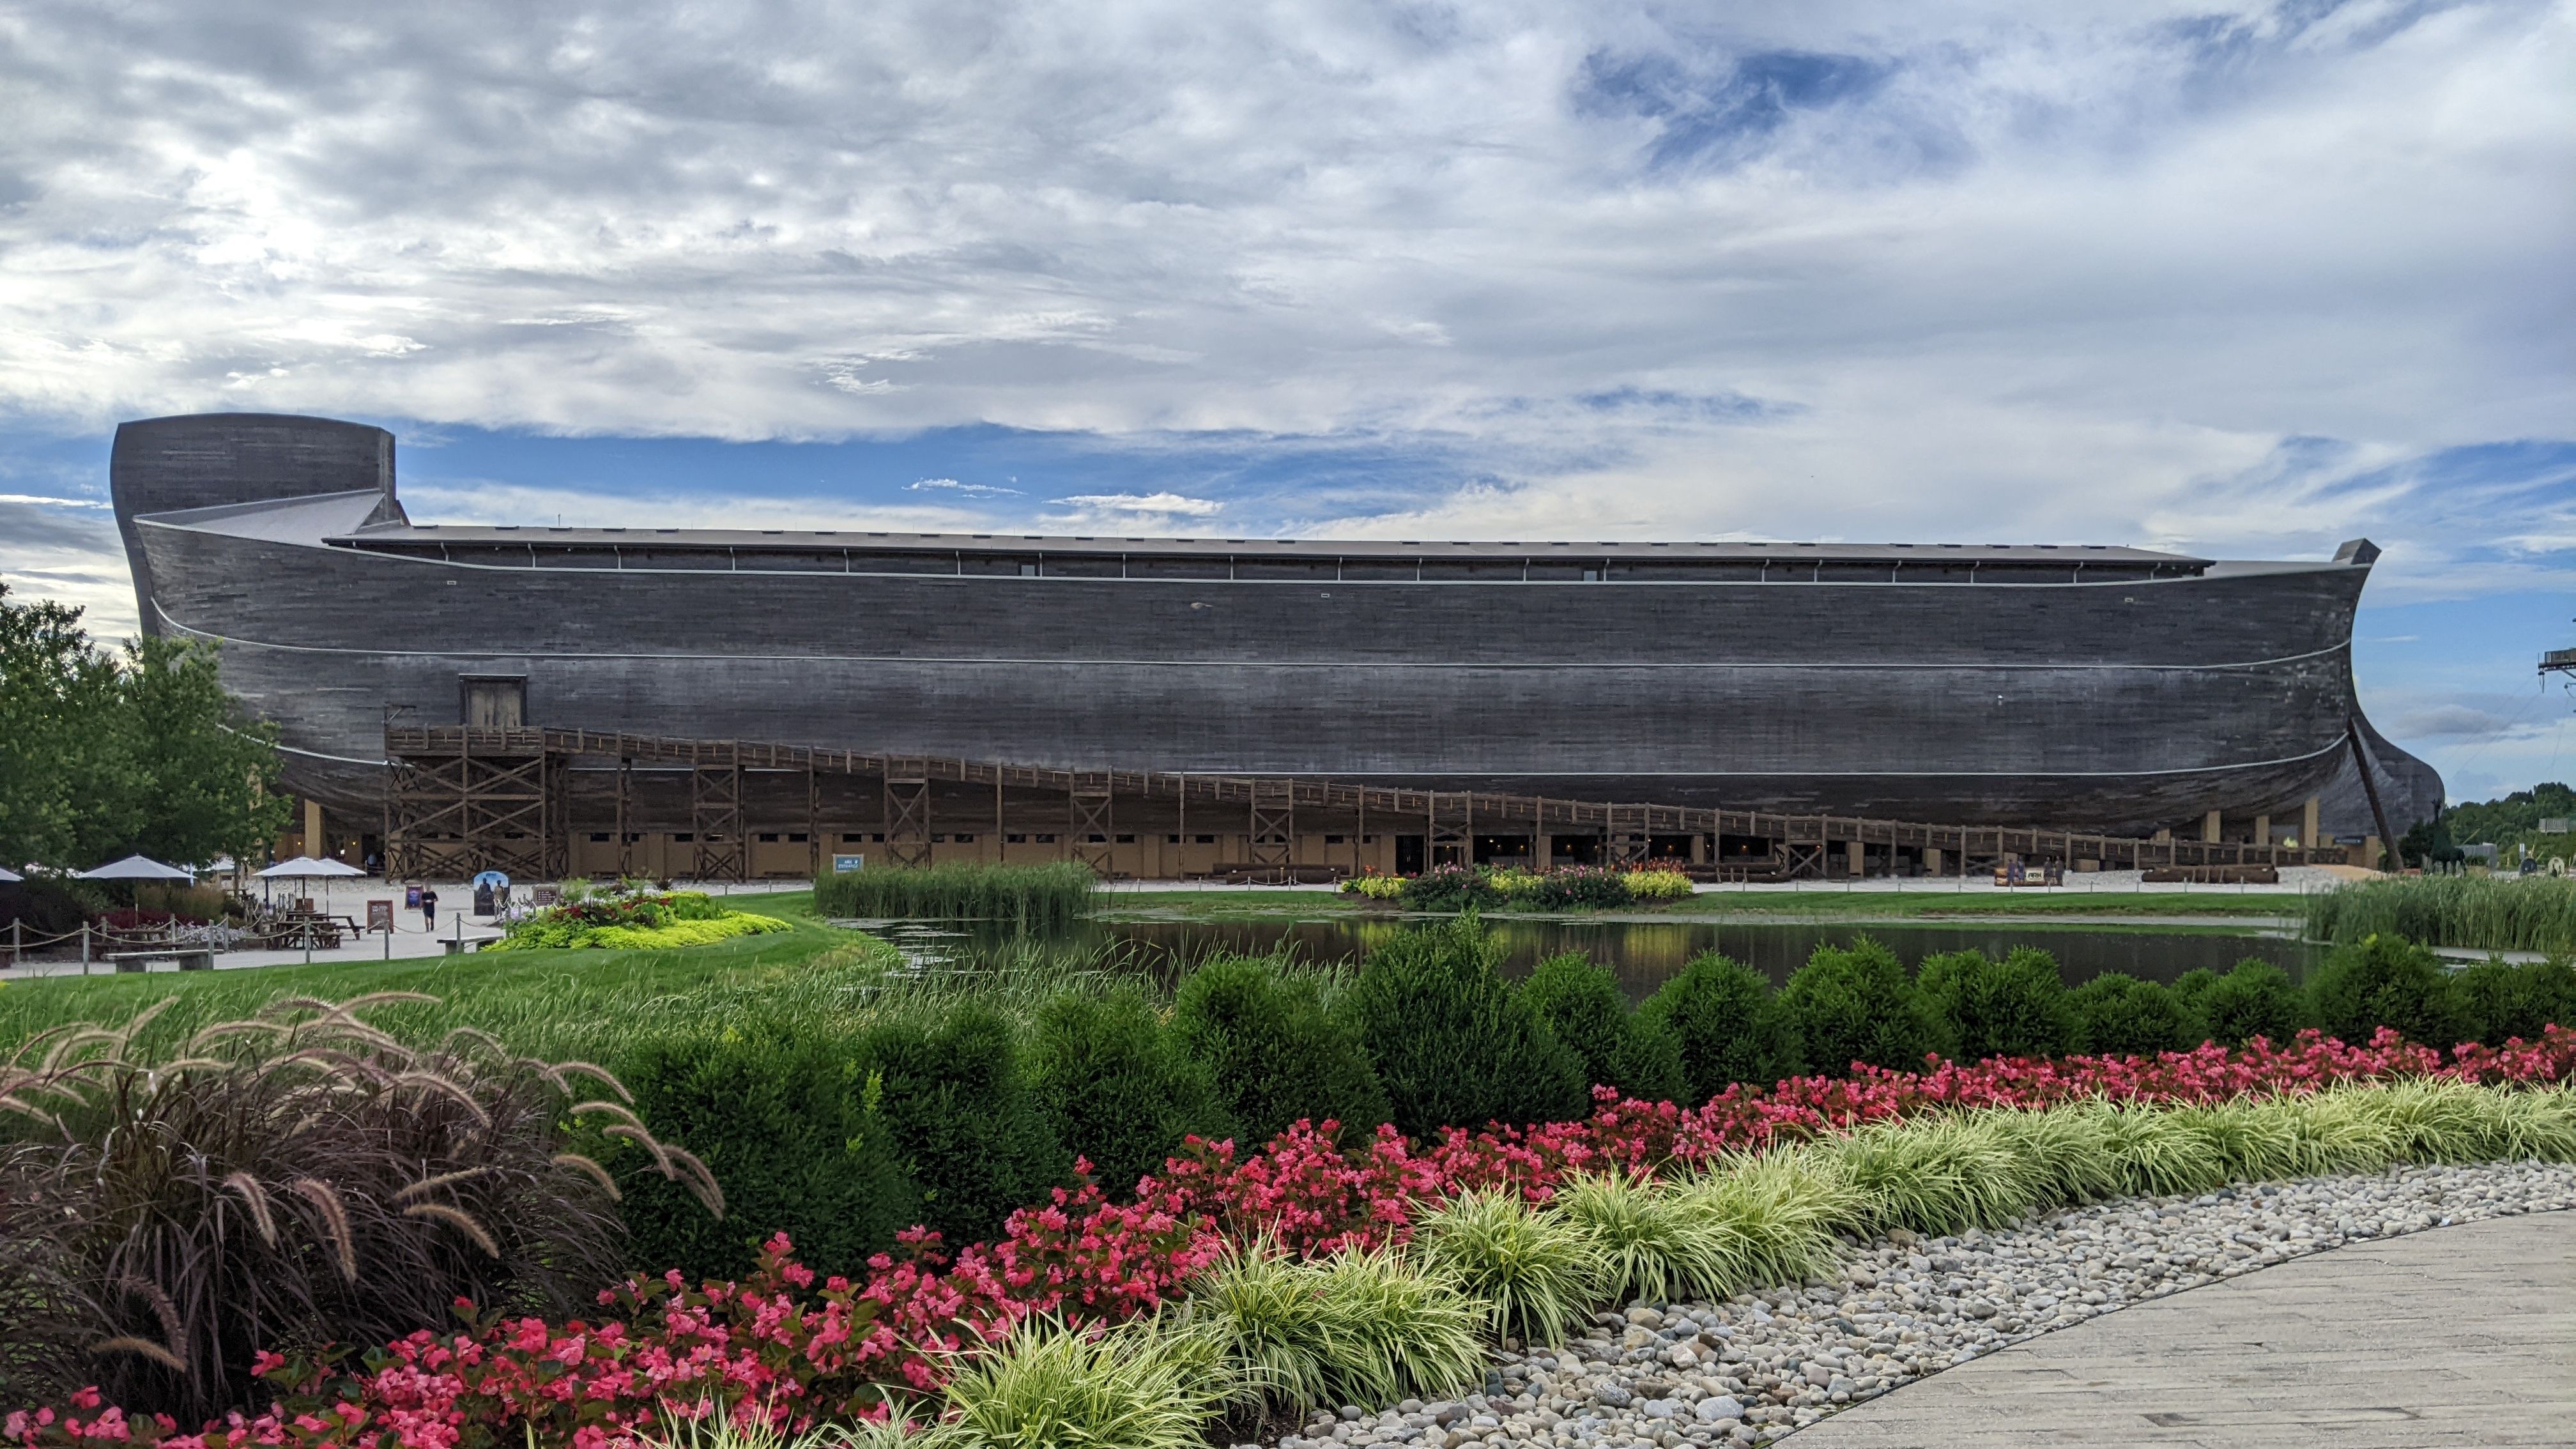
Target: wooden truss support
[[1626, 840], [907, 813], [1272, 839], [1449, 830], [625, 816], [455, 815], [1805, 862], [813, 823], [723, 849], [1093, 829]]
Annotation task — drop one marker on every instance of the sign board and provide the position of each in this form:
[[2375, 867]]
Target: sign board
[[849, 862], [380, 916], [411, 898], [2555, 825]]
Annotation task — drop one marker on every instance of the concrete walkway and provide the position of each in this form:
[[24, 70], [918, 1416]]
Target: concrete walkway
[[2456, 1336]]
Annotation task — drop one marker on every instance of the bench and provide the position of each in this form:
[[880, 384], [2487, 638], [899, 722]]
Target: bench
[[189, 958]]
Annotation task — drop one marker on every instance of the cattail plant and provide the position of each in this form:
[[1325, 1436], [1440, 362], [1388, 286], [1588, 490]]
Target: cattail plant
[[288, 1182]]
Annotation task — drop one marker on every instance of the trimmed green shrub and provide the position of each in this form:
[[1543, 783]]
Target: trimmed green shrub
[[968, 1130], [2015, 1007], [2117, 1014], [2385, 981], [1453, 1043], [791, 1130], [1274, 1050], [2499, 1000], [1121, 1091], [2191, 992], [1727, 1024], [1583, 1005], [1857, 1004], [1028, 897], [2255, 999], [1533, 1271]]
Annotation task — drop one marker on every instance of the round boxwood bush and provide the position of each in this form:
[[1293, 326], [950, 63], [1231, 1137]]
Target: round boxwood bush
[[1119, 1088], [2117, 1014], [1618, 1048], [1453, 1043], [1276, 1053], [2015, 1007], [956, 1096], [2500, 1000], [2191, 992], [2384, 980], [1857, 1004], [1728, 1025], [2255, 999]]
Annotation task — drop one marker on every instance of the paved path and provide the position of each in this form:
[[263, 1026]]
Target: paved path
[[2456, 1336]]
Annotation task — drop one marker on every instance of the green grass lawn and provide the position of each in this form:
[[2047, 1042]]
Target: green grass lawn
[[556, 1004]]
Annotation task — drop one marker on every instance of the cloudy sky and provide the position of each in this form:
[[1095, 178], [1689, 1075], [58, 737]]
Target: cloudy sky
[[2243, 279]]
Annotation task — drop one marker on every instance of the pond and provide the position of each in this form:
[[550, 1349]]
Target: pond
[[1644, 953]]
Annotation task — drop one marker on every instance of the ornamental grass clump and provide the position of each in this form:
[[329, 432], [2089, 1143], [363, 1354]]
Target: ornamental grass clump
[[1533, 1271], [1650, 1243], [1405, 1332], [1056, 1385], [282, 1183], [1779, 1211], [1938, 1175], [1025, 897]]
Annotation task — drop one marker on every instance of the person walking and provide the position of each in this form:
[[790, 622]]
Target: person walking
[[429, 910]]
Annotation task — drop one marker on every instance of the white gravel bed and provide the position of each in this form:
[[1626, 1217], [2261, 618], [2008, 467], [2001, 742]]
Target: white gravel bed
[[1764, 1364]]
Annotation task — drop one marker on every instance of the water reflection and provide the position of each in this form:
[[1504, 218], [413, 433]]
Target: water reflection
[[1642, 953]]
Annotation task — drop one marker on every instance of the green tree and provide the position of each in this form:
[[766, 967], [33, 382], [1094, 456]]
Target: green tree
[[1617, 1047], [101, 756], [57, 701]]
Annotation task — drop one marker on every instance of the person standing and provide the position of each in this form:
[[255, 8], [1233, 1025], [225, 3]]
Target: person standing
[[429, 910]]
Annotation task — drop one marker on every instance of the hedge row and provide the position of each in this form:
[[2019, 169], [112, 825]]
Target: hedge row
[[951, 1110]]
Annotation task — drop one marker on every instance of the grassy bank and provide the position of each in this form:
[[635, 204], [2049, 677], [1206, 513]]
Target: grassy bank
[[2482, 913], [554, 1003]]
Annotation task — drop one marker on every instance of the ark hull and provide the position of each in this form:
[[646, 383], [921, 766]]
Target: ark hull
[[2023, 693]]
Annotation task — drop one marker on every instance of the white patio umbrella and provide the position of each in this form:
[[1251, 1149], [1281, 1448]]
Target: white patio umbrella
[[136, 867], [7, 875], [305, 867]]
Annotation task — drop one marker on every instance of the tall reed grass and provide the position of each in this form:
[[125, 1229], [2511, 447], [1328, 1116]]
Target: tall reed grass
[[2482, 913], [1027, 897]]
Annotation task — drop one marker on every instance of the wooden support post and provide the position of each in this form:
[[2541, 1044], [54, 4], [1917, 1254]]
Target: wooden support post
[[813, 822], [625, 816], [907, 813], [316, 844], [2209, 828], [2308, 825], [1087, 800]]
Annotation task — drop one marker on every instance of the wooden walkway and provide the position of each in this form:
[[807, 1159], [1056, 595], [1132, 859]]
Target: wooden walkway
[[2455, 1336]]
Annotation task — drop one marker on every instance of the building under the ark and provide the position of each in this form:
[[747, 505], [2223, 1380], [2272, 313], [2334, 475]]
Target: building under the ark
[[788, 697]]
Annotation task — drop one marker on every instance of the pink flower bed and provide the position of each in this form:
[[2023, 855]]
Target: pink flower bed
[[777, 1347]]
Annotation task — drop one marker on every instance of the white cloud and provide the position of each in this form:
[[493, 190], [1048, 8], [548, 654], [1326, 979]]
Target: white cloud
[[964, 490], [1169, 504]]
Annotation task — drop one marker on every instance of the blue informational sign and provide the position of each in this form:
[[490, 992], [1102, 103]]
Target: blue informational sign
[[849, 862]]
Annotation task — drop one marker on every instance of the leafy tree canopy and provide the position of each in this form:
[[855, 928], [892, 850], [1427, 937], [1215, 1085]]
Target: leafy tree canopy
[[103, 755]]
